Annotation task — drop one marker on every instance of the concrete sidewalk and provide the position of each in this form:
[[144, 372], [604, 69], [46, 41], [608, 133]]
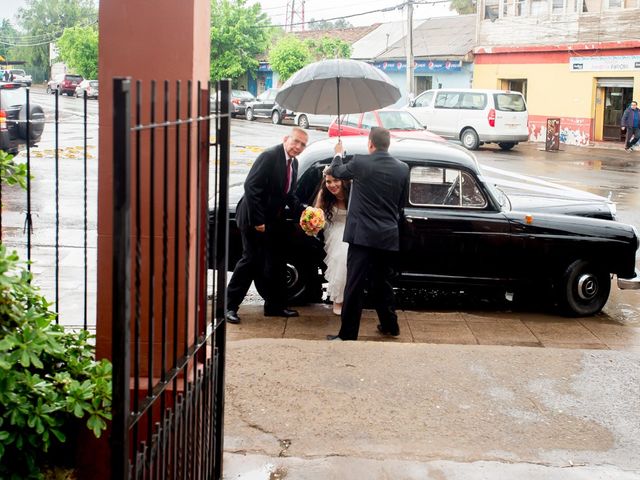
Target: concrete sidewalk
[[312, 410], [458, 396]]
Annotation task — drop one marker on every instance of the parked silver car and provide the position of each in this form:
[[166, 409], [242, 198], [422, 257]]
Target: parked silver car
[[308, 120]]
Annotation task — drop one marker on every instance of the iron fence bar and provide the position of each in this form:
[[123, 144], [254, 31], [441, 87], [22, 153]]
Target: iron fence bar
[[86, 114], [57, 202], [176, 237], [187, 217], [138, 269], [223, 137], [27, 220], [165, 245], [121, 278], [152, 256]]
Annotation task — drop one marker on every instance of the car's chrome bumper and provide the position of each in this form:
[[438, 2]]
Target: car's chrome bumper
[[630, 283]]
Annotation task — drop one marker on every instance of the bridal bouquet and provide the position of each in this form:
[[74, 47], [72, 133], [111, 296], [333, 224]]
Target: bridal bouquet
[[312, 220]]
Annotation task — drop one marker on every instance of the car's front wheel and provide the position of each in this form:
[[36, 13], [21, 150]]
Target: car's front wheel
[[276, 118], [249, 114], [584, 288], [469, 139], [506, 145], [303, 121]]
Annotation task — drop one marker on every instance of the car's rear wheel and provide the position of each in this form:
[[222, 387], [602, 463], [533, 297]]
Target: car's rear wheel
[[584, 288], [506, 145], [301, 283], [276, 118], [303, 121], [469, 139], [249, 114]]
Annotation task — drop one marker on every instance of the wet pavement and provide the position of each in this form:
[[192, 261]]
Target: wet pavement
[[448, 327]]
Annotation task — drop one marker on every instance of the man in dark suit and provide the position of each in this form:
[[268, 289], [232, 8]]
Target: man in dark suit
[[378, 194], [268, 189]]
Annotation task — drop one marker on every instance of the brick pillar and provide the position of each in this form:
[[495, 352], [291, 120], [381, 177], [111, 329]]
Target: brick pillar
[[145, 40]]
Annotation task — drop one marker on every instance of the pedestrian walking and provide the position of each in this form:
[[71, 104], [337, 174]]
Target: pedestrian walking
[[378, 195], [630, 123], [268, 189]]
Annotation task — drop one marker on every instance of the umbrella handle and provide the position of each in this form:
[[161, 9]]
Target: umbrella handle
[[338, 93]]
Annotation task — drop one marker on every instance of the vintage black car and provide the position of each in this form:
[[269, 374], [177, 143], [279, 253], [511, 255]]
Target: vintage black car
[[466, 228]]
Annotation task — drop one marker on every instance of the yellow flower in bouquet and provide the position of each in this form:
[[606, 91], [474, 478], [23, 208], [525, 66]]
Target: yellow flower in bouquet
[[312, 220]]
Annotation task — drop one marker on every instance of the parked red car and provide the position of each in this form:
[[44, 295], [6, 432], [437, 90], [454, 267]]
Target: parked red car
[[400, 123]]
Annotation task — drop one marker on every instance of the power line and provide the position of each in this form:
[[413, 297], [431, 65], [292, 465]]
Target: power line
[[40, 39]]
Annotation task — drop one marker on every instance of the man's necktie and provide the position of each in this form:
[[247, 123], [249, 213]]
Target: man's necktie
[[287, 183]]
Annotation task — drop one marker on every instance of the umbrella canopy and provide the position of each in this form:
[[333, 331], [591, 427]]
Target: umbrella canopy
[[332, 87]]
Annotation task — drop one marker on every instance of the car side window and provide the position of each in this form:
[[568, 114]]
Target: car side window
[[424, 100], [369, 120], [308, 183], [474, 101], [447, 100], [351, 120], [438, 186]]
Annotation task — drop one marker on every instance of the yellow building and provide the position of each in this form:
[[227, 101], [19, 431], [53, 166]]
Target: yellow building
[[553, 62]]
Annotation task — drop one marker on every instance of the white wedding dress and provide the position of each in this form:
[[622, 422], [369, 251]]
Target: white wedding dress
[[336, 258]]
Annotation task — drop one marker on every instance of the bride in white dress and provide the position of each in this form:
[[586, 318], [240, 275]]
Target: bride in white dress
[[333, 198]]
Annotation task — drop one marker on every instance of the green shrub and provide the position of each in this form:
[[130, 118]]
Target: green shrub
[[49, 379]]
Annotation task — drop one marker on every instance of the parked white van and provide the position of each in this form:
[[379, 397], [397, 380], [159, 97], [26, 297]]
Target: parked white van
[[474, 116]]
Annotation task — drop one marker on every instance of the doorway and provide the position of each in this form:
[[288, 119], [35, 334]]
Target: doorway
[[616, 100], [423, 83]]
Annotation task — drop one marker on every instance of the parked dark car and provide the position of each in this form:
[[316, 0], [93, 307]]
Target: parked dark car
[[66, 83], [239, 100], [265, 106], [13, 118], [462, 230]]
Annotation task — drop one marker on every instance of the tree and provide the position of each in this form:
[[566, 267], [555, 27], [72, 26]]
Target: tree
[[288, 56], [239, 33], [78, 48], [328, 47], [44, 21], [8, 36], [463, 6], [328, 25]]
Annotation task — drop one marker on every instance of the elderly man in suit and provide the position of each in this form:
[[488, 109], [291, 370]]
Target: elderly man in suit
[[378, 195], [268, 189]]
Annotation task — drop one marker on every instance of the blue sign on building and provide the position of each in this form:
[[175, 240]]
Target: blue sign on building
[[420, 66]]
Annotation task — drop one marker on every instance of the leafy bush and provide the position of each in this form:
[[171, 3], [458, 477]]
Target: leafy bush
[[12, 173], [48, 377]]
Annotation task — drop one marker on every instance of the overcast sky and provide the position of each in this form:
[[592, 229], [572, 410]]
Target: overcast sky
[[317, 9]]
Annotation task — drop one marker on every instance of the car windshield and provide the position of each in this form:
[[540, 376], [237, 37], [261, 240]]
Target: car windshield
[[499, 195], [12, 97], [398, 120], [18, 72]]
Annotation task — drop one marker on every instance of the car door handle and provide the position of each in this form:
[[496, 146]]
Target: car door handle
[[410, 219]]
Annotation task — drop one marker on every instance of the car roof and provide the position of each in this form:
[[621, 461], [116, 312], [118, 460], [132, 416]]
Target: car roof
[[405, 149], [471, 90]]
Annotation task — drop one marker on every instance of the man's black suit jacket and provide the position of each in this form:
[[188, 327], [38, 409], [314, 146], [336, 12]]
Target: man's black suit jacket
[[264, 197], [378, 195]]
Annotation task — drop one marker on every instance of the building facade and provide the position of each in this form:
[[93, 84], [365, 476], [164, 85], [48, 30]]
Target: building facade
[[442, 53], [577, 60]]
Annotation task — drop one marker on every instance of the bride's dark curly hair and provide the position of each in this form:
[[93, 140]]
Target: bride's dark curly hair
[[327, 200]]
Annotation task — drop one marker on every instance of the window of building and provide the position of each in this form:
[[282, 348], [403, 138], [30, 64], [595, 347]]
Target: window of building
[[515, 85], [539, 8], [613, 4], [557, 7], [491, 9]]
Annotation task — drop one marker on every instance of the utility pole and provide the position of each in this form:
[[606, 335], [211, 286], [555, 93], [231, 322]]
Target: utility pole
[[409, 47]]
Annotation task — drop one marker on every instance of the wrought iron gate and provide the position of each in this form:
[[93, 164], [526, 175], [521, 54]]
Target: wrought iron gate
[[168, 343]]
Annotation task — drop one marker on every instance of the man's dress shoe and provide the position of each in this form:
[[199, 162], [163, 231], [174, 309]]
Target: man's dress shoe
[[334, 338], [394, 333], [231, 316], [285, 312]]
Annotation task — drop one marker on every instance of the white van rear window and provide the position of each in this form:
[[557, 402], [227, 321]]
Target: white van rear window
[[509, 102]]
